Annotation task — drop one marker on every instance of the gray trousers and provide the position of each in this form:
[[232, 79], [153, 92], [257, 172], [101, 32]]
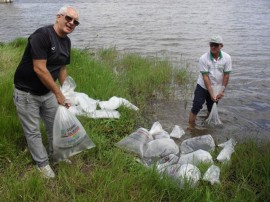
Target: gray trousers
[[31, 109]]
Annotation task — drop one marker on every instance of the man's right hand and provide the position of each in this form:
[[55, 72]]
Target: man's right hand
[[62, 100]]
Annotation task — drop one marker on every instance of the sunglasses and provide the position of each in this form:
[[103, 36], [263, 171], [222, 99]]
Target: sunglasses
[[214, 44], [70, 19]]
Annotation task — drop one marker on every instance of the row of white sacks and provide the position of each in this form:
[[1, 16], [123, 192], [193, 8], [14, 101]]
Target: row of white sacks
[[83, 105], [179, 162], [86, 106]]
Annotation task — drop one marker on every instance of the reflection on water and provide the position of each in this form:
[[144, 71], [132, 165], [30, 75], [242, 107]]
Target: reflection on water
[[175, 29]]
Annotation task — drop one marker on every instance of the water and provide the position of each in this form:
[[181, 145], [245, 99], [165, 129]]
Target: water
[[177, 30]]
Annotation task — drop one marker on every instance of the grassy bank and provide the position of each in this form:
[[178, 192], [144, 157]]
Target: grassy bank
[[106, 173]]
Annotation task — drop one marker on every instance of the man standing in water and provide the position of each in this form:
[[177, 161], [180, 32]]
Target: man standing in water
[[36, 94], [215, 67]]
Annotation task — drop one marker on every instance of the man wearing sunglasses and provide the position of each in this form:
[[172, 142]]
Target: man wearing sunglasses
[[36, 94], [215, 67]]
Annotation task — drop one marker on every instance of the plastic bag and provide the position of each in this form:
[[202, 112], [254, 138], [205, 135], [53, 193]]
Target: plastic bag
[[104, 114], [115, 102], [160, 148], [136, 141], [67, 89], [156, 128], [189, 175], [177, 132], [226, 152], [205, 142], [196, 157], [69, 136], [212, 174], [166, 161], [158, 132], [86, 103], [186, 174], [213, 118]]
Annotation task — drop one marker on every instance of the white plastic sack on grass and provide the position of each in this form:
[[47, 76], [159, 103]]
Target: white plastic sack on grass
[[67, 89], [97, 114], [115, 102], [86, 103], [189, 175], [226, 152], [212, 174], [186, 174], [136, 141], [196, 157], [213, 118], [69, 136], [160, 148], [177, 132], [167, 160], [205, 142], [129, 105]]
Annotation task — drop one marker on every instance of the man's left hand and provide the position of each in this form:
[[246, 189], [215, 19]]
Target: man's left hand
[[219, 96]]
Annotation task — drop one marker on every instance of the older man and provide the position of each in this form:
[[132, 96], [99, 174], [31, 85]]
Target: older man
[[215, 67], [36, 94]]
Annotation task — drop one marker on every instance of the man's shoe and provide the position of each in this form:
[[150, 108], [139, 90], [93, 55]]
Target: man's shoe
[[46, 171]]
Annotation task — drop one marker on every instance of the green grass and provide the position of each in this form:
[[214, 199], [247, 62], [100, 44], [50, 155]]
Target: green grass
[[106, 173]]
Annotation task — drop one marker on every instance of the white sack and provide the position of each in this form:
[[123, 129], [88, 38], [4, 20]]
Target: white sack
[[189, 174], [205, 142], [213, 118], [196, 157], [86, 103], [212, 174], [67, 89], [226, 152], [167, 160], [177, 132], [156, 129], [160, 148], [186, 173], [104, 114], [115, 102], [69, 136], [135, 142]]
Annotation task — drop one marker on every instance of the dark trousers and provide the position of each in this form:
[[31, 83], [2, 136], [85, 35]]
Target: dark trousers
[[200, 96]]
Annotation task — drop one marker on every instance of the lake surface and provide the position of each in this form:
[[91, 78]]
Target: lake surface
[[178, 30]]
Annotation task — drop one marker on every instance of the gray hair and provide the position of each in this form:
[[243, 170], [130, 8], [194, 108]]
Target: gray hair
[[63, 10]]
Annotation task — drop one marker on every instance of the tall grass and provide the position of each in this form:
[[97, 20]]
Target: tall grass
[[106, 173]]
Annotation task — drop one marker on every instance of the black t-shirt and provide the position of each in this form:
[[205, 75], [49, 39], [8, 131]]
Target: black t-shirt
[[44, 43]]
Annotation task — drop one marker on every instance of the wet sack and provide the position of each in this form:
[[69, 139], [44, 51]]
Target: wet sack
[[213, 118]]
